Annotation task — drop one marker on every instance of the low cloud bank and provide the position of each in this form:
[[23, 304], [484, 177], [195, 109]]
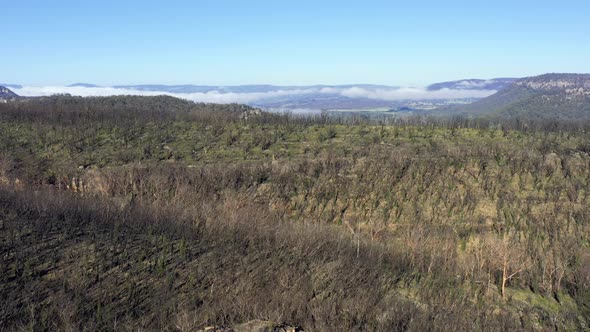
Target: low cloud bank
[[473, 84], [415, 94], [393, 94], [208, 97]]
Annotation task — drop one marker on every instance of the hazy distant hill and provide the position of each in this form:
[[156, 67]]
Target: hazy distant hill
[[474, 84], [11, 86], [83, 85], [253, 88], [549, 96]]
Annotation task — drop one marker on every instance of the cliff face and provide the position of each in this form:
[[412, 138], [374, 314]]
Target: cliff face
[[569, 83], [6, 94]]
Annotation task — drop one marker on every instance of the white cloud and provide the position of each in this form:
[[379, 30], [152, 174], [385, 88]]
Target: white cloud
[[393, 94], [469, 84], [330, 90], [415, 94], [31, 91], [208, 97]]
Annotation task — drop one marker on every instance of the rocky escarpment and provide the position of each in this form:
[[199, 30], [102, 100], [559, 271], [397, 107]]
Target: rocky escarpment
[[549, 96], [569, 83], [7, 95]]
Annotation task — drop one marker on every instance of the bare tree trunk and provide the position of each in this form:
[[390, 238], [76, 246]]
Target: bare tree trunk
[[504, 278]]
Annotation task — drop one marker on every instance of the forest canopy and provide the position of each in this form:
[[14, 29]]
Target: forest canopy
[[159, 213]]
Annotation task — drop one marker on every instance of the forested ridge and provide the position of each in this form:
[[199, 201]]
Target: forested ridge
[[157, 213], [545, 97]]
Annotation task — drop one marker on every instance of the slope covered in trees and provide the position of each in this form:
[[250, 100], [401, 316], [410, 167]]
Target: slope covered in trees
[[155, 213], [550, 96]]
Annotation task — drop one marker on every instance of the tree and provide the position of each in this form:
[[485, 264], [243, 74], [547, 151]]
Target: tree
[[508, 257]]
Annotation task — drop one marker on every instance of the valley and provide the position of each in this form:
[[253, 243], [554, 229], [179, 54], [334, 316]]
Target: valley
[[294, 166]]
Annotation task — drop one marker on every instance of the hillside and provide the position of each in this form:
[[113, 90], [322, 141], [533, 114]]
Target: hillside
[[150, 213], [6, 94], [122, 107], [549, 96], [474, 84]]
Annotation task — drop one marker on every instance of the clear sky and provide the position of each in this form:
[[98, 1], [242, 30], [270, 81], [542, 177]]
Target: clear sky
[[221, 42]]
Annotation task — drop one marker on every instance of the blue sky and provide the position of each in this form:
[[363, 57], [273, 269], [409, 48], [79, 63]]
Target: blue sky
[[222, 42]]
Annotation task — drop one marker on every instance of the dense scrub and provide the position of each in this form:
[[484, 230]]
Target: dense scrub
[[72, 263], [203, 214]]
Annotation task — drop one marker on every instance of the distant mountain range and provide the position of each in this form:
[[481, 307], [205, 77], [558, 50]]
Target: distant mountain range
[[467, 84], [11, 86], [556, 96], [251, 88], [474, 84], [83, 85], [312, 97]]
